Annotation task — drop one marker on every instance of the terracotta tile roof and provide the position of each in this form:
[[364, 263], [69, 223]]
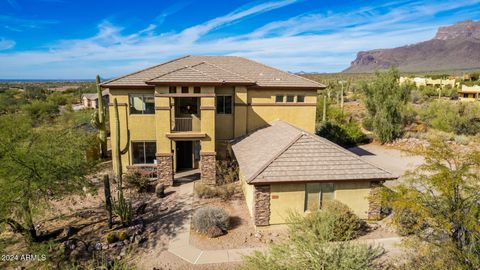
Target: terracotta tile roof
[[227, 69], [94, 96], [284, 153]]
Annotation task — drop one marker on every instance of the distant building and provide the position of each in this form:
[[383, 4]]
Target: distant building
[[420, 81], [91, 100], [469, 93]]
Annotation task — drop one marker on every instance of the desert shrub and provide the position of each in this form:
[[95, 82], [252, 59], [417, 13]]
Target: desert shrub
[[310, 245], [136, 179], [346, 135], [456, 117], [211, 220], [224, 192], [227, 171], [41, 111], [335, 220]]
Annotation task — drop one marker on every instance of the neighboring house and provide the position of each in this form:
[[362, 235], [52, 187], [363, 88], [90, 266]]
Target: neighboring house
[[91, 100], [420, 81], [185, 113], [469, 93], [284, 168]]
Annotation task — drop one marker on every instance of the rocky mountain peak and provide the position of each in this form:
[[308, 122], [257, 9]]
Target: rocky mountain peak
[[465, 29]]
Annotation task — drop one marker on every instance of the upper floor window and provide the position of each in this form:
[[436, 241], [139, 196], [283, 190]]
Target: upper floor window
[[142, 104], [196, 90], [224, 104], [172, 89], [184, 89], [143, 152], [290, 98], [300, 98], [279, 99], [318, 193]]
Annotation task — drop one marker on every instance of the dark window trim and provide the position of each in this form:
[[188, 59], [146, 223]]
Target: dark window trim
[[130, 104], [223, 110], [144, 152]]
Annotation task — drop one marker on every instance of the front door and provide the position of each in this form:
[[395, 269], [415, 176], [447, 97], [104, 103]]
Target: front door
[[184, 155]]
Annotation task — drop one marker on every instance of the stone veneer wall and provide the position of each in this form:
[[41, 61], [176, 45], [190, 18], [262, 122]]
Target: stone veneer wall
[[261, 208], [165, 169], [208, 168], [374, 204]]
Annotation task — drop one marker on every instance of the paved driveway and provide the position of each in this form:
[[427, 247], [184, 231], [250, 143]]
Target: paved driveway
[[393, 160]]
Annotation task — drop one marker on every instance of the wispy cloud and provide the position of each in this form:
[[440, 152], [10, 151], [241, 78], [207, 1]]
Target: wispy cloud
[[17, 24], [6, 44], [320, 41]]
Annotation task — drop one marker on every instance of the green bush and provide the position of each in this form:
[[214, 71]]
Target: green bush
[[334, 222], [346, 135], [136, 179], [456, 117], [40, 111], [310, 244], [209, 219]]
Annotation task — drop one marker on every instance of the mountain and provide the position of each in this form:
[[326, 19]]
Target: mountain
[[454, 47]]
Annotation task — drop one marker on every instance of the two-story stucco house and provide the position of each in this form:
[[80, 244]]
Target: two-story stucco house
[[184, 113]]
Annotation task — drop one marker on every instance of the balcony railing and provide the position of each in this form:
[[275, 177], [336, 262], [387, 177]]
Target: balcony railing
[[183, 124]]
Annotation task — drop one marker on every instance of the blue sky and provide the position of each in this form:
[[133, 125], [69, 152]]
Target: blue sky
[[67, 39]]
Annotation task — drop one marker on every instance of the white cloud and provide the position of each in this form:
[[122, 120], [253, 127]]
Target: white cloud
[[309, 42], [6, 44]]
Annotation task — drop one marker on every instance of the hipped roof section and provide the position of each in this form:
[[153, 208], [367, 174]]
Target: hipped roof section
[[213, 70], [282, 153]]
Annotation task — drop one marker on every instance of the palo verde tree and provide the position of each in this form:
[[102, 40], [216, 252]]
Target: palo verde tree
[[440, 204], [38, 163], [385, 100]]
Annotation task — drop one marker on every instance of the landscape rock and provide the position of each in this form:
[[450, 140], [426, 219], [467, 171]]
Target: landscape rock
[[214, 232]]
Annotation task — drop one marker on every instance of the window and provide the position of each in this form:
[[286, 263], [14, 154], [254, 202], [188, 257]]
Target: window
[[300, 98], [279, 99], [290, 98], [142, 104], [187, 105], [317, 193], [224, 104], [172, 89], [196, 89], [143, 152], [184, 89]]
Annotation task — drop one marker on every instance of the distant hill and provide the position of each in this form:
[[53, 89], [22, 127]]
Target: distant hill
[[455, 47]]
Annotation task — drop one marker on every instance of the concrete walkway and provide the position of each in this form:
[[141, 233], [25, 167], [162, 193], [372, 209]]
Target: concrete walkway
[[180, 245]]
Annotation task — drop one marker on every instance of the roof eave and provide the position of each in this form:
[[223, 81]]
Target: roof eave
[[264, 182]]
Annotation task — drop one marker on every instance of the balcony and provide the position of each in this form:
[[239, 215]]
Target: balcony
[[187, 116]]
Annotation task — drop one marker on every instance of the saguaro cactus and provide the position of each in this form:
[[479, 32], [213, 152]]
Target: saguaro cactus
[[123, 208], [324, 113], [100, 119], [108, 200]]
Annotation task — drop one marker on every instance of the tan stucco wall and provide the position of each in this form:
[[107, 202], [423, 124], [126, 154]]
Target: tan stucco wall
[[248, 191], [252, 109], [263, 110], [354, 195], [291, 197]]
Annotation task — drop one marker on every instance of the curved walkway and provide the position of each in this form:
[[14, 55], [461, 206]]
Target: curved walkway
[[180, 244]]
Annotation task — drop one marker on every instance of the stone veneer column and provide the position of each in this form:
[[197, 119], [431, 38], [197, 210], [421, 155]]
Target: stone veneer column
[[208, 168], [374, 203], [261, 210], [165, 168]]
